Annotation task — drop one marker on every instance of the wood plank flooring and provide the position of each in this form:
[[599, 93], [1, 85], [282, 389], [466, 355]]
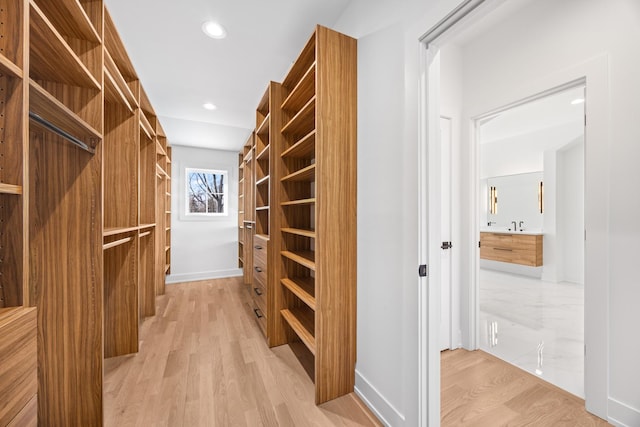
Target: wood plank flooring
[[479, 390], [204, 362]]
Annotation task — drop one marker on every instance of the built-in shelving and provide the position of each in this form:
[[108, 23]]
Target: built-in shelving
[[70, 19], [304, 258], [10, 189], [303, 120], [300, 202], [303, 324], [7, 66], [304, 174], [303, 288]]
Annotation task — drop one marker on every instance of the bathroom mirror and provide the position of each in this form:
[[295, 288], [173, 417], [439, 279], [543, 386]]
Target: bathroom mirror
[[518, 198]]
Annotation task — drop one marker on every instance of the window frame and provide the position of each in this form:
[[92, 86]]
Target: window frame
[[225, 192]]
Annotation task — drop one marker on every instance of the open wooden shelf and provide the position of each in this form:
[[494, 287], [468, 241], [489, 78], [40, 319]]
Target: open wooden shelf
[[301, 65], [113, 44], [264, 154], [51, 58], [162, 171], [160, 149], [262, 208], [70, 19], [113, 92], [303, 324], [145, 125], [10, 189], [7, 66], [305, 148], [303, 175], [301, 120], [116, 243], [303, 92], [301, 202], [48, 107], [119, 81], [304, 258], [145, 226], [300, 232], [113, 231], [263, 128], [263, 180], [303, 288]]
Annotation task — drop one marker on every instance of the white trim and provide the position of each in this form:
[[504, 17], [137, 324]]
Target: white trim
[[380, 406], [622, 415], [205, 275]]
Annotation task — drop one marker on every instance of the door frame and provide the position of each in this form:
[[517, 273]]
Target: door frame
[[595, 72]]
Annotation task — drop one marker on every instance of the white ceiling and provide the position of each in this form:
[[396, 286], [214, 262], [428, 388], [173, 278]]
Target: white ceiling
[[549, 112], [181, 68]]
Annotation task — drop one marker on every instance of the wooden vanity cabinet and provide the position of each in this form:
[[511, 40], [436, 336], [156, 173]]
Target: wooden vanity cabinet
[[523, 249]]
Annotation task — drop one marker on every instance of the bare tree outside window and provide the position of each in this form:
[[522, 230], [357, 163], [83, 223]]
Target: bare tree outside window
[[206, 192]]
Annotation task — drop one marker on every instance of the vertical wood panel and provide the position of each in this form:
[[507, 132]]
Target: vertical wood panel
[[66, 270]]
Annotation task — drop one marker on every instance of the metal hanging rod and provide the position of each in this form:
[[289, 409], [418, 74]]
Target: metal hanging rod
[[55, 129]]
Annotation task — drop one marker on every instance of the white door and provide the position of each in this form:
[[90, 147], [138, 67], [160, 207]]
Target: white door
[[445, 233]]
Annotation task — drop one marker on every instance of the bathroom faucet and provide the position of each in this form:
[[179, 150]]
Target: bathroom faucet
[[514, 226], [520, 224]]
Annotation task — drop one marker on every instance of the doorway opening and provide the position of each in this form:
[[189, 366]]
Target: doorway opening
[[531, 219]]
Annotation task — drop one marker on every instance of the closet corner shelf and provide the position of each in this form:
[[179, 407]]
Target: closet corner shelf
[[303, 325], [303, 288], [50, 56], [49, 108], [79, 26], [10, 189], [7, 66], [305, 174], [304, 258]]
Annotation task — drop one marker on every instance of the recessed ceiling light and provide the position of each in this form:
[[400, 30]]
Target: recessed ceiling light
[[577, 101], [214, 30], [209, 106]]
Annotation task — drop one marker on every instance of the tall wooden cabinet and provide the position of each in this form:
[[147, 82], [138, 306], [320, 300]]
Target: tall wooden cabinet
[[317, 208], [78, 168]]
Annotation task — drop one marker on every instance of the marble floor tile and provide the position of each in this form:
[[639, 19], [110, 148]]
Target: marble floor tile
[[535, 325]]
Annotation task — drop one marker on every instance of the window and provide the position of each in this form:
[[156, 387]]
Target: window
[[206, 192]]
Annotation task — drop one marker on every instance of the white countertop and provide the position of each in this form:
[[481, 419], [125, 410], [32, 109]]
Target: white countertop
[[500, 230]]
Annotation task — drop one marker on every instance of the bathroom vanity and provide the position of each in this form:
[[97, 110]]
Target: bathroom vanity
[[519, 247]]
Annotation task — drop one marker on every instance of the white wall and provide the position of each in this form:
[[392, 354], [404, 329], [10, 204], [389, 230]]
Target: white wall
[[203, 248], [530, 47]]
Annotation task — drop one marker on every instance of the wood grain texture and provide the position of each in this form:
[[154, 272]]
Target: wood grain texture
[[113, 44], [336, 188], [479, 390], [28, 416], [13, 17], [204, 362], [70, 19], [521, 249], [66, 272], [121, 311], [18, 361]]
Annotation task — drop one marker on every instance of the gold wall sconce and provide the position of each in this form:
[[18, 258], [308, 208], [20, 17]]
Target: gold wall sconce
[[541, 197], [493, 200]]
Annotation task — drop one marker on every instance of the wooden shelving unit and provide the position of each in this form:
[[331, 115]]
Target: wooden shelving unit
[[18, 320], [316, 283], [247, 227], [240, 211], [78, 217]]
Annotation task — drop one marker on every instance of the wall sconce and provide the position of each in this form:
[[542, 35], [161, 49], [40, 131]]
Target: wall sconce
[[541, 197], [493, 200]]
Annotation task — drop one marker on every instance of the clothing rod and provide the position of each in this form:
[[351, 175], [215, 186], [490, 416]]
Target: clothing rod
[[55, 129]]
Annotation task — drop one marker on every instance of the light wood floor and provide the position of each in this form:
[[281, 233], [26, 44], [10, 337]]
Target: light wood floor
[[204, 362], [479, 389]]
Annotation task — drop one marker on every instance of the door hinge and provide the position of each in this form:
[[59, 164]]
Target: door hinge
[[446, 245], [423, 270]]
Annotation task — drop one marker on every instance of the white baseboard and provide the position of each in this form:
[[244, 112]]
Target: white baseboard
[[622, 415], [380, 406], [205, 275]]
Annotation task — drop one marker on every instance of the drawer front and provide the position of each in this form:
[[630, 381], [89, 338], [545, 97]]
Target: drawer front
[[259, 295], [260, 273], [260, 249], [260, 316]]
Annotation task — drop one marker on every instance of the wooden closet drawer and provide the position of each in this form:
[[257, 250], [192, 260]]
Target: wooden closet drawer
[[260, 274], [259, 294], [259, 315], [260, 250]]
